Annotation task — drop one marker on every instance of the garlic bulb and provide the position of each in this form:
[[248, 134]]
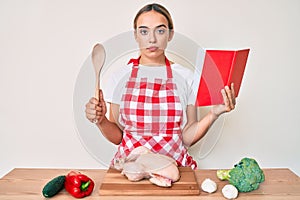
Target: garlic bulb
[[230, 192], [209, 186]]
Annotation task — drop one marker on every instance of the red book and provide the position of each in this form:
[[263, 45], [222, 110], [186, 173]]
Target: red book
[[220, 68]]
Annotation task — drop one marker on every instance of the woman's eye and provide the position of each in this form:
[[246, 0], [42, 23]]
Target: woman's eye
[[161, 31], [144, 32]]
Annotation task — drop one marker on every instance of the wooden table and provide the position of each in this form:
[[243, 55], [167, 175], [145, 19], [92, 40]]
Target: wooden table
[[28, 183]]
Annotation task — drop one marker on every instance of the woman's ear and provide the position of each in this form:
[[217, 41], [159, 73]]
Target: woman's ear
[[171, 35]]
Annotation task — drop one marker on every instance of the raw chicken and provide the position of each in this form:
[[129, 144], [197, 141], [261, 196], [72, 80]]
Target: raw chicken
[[141, 163]]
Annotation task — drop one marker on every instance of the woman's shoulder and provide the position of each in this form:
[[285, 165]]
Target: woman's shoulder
[[182, 70], [122, 71]]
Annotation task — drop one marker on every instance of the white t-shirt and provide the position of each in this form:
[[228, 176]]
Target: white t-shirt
[[182, 77]]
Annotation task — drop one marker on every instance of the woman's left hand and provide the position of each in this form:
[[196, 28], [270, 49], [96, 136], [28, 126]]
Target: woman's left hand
[[229, 101]]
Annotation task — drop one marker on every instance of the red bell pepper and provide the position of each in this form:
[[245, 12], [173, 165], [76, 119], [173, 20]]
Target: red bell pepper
[[79, 185]]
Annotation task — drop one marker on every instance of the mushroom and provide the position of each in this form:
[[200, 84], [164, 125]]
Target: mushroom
[[209, 186], [229, 191]]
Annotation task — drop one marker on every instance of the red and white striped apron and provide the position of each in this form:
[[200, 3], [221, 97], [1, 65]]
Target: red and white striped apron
[[151, 113]]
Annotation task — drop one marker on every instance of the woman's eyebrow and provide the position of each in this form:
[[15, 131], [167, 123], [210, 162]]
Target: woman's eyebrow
[[161, 25], [143, 27]]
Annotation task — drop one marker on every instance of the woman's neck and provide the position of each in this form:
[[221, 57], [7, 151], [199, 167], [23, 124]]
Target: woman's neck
[[158, 61]]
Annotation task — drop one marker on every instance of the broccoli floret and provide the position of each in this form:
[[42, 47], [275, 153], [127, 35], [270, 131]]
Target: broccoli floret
[[245, 176]]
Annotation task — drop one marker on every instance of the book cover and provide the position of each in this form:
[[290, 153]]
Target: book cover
[[220, 68]]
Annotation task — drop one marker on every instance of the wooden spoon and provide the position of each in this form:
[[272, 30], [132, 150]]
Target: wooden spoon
[[98, 58]]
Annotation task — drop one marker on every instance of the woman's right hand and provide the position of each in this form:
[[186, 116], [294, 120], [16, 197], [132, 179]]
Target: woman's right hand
[[95, 109]]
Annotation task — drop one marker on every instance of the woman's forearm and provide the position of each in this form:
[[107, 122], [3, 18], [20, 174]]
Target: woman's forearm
[[110, 131], [197, 129]]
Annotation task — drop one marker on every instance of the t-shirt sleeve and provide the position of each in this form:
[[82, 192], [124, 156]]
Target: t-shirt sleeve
[[191, 93], [114, 86], [185, 80], [108, 88]]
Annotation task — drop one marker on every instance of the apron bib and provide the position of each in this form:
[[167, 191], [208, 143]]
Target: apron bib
[[151, 113]]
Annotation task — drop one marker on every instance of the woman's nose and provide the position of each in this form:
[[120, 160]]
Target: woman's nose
[[152, 37]]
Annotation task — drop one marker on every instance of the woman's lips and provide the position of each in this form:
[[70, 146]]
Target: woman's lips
[[152, 48]]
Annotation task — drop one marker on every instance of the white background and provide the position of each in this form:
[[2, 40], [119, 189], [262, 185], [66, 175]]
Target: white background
[[43, 45]]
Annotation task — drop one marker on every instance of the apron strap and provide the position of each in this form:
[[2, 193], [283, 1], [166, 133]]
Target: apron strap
[[135, 66], [136, 63], [169, 70]]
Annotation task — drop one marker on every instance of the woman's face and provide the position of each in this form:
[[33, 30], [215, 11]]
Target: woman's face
[[152, 34]]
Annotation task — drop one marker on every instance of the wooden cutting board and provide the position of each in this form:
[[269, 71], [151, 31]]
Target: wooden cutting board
[[114, 183]]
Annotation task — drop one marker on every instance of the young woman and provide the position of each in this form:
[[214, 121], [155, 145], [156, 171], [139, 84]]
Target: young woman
[[152, 105]]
